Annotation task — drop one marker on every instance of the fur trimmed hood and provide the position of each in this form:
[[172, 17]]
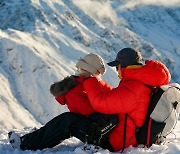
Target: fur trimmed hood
[[63, 86]]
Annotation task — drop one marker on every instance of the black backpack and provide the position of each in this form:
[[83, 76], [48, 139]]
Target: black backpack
[[162, 115]]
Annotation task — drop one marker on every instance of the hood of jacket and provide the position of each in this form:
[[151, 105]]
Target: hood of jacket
[[153, 73], [63, 86]]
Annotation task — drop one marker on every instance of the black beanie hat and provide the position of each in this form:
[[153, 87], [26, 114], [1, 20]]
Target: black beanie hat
[[126, 57]]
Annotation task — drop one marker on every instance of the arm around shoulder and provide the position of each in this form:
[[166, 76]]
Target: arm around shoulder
[[117, 100]]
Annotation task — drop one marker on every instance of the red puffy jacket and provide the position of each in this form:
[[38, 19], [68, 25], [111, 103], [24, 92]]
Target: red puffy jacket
[[131, 96], [76, 98]]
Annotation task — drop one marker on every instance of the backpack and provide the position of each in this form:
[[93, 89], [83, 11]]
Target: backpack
[[162, 115]]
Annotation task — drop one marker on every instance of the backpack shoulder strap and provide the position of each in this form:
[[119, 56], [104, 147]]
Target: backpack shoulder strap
[[156, 94], [124, 137]]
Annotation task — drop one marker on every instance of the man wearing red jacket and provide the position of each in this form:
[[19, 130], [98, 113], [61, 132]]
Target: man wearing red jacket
[[131, 98]]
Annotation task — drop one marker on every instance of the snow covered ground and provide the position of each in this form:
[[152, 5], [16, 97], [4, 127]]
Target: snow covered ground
[[41, 40]]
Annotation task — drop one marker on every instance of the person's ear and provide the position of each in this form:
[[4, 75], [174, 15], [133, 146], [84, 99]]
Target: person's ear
[[118, 67]]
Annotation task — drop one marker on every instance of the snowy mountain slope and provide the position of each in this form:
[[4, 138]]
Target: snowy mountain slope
[[160, 26], [41, 40], [26, 70]]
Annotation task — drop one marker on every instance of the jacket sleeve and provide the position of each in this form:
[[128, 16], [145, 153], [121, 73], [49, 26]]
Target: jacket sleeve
[[117, 100], [105, 86], [78, 102]]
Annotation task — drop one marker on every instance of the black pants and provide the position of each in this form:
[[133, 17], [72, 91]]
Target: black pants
[[58, 129]]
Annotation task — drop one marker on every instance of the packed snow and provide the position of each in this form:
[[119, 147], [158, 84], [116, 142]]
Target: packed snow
[[41, 40]]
